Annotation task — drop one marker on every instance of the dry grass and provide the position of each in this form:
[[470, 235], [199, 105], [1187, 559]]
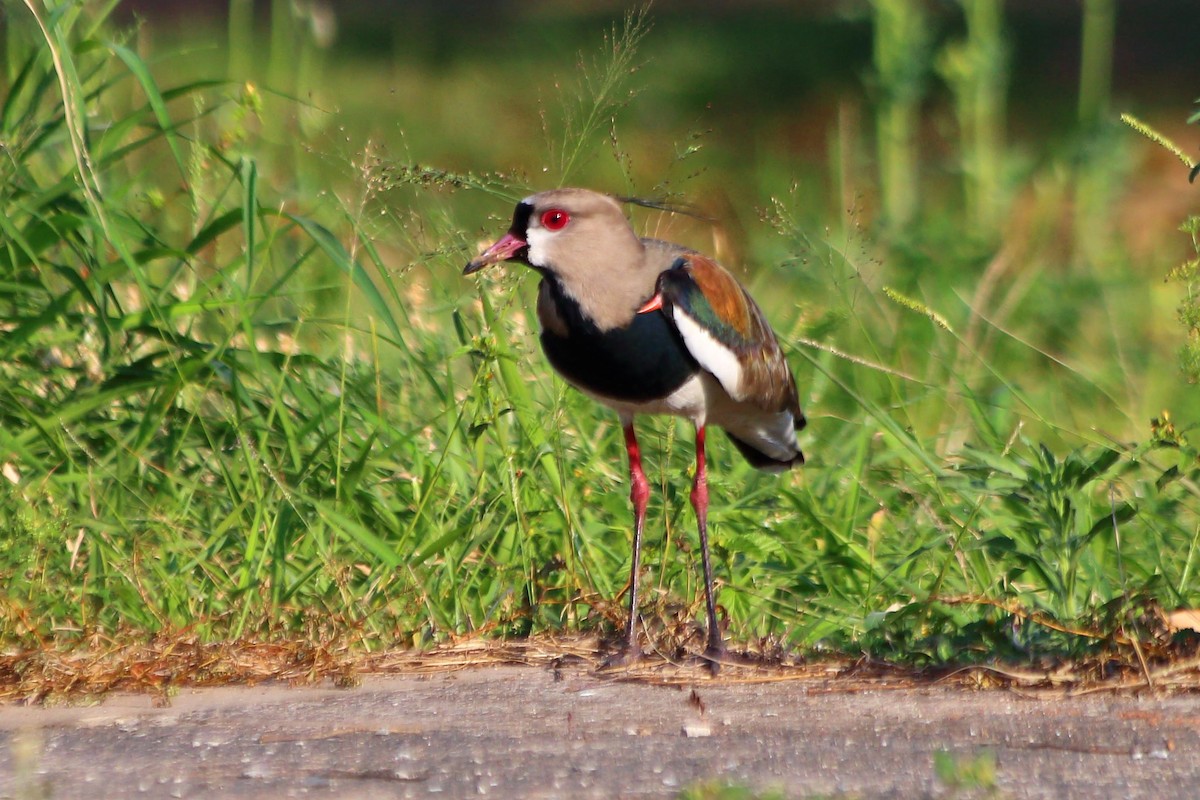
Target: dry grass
[[170, 662]]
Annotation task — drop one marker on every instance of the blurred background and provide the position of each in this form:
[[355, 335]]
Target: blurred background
[[765, 85], [933, 138]]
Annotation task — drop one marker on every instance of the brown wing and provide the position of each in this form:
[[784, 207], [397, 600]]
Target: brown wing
[[731, 337]]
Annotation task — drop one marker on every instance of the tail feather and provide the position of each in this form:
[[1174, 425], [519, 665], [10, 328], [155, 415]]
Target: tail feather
[[760, 460], [781, 441], [767, 440]]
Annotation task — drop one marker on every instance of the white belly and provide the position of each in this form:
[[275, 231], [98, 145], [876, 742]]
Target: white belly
[[704, 401], [691, 400]]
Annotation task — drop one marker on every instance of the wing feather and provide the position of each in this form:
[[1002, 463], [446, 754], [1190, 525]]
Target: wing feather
[[728, 335]]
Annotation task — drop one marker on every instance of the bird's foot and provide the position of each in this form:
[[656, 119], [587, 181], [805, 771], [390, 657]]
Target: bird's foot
[[629, 655], [714, 656]]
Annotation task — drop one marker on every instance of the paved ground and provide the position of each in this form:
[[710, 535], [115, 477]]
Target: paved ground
[[528, 733]]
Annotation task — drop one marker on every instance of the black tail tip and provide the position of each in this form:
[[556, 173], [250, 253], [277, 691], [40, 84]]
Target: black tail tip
[[760, 460]]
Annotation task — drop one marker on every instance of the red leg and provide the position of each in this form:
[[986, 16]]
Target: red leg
[[716, 645], [639, 493]]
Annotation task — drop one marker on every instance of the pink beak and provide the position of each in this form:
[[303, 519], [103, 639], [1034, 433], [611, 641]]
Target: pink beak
[[508, 247], [653, 304]]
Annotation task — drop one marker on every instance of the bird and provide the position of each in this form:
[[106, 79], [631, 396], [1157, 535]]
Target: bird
[[646, 326]]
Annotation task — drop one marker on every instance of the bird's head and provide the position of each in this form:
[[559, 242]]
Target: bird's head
[[573, 234]]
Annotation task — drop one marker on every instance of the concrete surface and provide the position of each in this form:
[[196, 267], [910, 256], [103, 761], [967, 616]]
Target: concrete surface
[[527, 732]]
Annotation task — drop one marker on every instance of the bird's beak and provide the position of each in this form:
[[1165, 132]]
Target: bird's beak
[[653, 304], [508, 247]]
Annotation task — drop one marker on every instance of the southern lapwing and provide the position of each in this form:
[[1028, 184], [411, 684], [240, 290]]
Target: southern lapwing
[[649, 327]]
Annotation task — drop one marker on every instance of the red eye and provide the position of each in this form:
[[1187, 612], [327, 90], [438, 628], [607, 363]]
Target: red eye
[[555, 219]]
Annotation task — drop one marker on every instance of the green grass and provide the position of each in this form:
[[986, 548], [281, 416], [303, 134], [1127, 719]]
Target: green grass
[[245, 392]]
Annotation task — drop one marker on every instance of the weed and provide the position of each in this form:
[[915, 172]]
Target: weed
[[1187, 273], [970, 776], [727, 791]]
